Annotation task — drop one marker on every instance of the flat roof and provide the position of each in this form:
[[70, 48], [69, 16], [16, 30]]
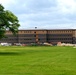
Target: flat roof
[[43, 29]]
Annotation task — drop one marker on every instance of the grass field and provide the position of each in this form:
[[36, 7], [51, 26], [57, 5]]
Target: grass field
[[37, 61]]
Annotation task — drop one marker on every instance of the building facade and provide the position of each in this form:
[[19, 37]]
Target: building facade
[[41, 36]]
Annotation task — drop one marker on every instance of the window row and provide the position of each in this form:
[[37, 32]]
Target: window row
[[59, 39], [60, 31]]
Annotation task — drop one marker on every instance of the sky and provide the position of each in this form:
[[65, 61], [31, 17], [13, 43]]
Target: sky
[[43, 14]]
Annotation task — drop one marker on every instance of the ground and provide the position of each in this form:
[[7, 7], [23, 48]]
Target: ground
[[16, 60]]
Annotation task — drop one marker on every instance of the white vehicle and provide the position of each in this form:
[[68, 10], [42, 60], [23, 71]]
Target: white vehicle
[[5, 44]]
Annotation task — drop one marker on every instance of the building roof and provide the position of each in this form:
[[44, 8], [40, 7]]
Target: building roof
[[43, 29]]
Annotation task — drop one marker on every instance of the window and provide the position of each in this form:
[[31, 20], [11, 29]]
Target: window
[[34, 32], [34, 35], [38, 39]]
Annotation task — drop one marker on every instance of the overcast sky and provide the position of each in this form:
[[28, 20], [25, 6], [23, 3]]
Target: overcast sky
[[43, 14]]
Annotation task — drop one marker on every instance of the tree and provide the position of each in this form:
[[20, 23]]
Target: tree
[[8, 21]]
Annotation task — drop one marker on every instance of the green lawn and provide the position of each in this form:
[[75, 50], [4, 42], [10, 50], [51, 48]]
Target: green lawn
[[37, 61]]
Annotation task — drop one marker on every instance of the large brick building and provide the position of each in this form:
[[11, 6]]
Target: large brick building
[[41, 36]]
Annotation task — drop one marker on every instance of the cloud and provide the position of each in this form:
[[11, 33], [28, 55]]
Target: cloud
[[7, 3], [43, 13], [67, 6]]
